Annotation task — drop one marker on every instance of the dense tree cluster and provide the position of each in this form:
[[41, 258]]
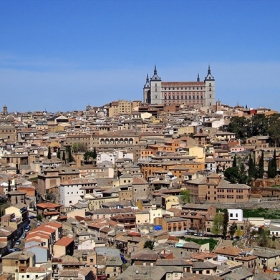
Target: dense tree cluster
[[79, 148], [90, 155], [272, 167], [248, 169], [244, 170], [257, 125]]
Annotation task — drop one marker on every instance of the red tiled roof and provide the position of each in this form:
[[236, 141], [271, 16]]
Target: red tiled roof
[[64, 241], [48, 205], [53, 224]]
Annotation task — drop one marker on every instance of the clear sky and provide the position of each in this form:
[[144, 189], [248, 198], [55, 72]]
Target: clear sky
[[64, 54]]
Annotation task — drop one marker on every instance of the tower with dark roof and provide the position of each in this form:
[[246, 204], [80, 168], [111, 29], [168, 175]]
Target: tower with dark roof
[[209, 82]]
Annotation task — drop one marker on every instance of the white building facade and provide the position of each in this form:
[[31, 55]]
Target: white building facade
[[71, 191]]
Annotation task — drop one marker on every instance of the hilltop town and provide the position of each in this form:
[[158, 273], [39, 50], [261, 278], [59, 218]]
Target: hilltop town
[[175, 186]]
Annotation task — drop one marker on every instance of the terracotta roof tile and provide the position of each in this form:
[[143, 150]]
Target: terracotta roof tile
[[64, 241]]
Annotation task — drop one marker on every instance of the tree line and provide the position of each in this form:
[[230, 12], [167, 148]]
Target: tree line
[[257, 125], [244, 171]]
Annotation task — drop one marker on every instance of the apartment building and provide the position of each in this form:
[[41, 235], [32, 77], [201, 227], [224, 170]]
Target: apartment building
[[213, 188], [120, 107]]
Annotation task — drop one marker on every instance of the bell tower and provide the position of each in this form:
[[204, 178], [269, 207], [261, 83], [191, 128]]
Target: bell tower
[[155, 85], [147, 91], [209, 82]]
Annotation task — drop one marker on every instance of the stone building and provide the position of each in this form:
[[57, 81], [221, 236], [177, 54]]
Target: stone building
[[201, 93]]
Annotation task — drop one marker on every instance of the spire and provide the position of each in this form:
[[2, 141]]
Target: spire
[[198, 79], [209, 70], [155, 77], [147, 84]]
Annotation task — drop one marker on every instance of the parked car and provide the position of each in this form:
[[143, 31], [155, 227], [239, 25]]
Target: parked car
[[17, 249], [32, 217], [27, 228], [12, 250], [18, 242], [23, 236]]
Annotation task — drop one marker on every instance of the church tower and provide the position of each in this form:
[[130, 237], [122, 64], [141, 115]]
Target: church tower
[[155, 86], [147, 91], [209, 82]]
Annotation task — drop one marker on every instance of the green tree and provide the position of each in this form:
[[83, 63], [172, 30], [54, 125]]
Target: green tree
[[261, 166], [69, 152], [258, 125], [217, 226], [251, 168], [79, 147], [185, 196], [225, 224], [272, 166], [49, 153], [273, 129], [234, 163], [238, 231], [39, 218], [263, 237], [94, 154], [232, 175], [75, 147], [90, 155], [238, 125], [149, 244], [232, 229], [242, 173], [9, 185]]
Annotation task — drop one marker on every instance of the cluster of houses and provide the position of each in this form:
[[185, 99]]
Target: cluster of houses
[[82, 193]]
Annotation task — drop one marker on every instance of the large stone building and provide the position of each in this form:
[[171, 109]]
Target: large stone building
[[156, 91]]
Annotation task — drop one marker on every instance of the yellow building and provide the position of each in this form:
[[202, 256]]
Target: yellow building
[[197, 152], [120, 107], [142, 217], [186, 130]]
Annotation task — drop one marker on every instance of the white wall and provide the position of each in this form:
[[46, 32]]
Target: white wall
[[70, 194], [235, 215], [101, 157]]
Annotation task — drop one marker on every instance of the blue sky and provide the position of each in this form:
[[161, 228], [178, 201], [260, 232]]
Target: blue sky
[[64, 54]]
